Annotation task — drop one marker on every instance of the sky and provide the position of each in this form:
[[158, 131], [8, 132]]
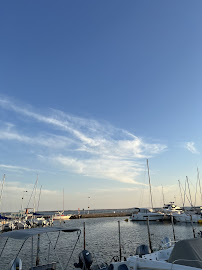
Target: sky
[[89, 90]]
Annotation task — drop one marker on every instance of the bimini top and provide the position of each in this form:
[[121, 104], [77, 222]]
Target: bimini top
[[187, 252], [24, 234]]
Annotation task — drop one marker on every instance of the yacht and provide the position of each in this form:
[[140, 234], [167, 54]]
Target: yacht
[[171, 207], [143, 214], [187, 217]]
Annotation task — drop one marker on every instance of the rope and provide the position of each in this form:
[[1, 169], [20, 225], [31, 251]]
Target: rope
[[73, 250], [4, 246], [19, 252], [57, 240]]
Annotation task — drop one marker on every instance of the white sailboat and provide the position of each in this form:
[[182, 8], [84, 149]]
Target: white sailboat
[[60, 215], [142, 214]]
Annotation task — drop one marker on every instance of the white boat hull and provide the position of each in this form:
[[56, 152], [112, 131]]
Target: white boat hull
[[61, 217], [187, 218], [153, 217]]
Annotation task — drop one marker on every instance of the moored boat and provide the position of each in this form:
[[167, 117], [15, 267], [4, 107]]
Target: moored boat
[[143, 214], [61, 216]]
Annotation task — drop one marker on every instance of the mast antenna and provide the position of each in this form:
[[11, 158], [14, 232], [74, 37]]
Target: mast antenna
[[150, 184]]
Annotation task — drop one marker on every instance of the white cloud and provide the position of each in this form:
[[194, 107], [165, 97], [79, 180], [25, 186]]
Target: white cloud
[[190, 146], [17, 168], [86, 147], [47, 140], [113, 169]]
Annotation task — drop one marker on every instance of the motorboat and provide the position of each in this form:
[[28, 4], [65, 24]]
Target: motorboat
[[187, 217], [143, 214], [171, 207], [185, 255], [9, 226]]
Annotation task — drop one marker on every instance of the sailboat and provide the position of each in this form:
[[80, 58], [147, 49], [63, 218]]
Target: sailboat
[[60, 214], [142, 214]]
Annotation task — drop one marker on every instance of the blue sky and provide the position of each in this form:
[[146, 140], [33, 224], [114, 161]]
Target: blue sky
[[89, 90]]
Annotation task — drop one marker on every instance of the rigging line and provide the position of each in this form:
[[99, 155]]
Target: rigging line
[[186, 194], [73, 250], [199, 184], [2, 188], [150, 185], [143, 188], [31, 195], [19, 251], [189, 191], [196, 192], [35, 194], [4, 246], [55, 252], [39, 199], [163, 196], [181, 193], [57, 240]]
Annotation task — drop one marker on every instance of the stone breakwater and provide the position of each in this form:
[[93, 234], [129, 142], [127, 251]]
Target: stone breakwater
[[100, 215]]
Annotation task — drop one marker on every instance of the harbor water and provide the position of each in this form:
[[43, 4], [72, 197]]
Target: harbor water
[[102, 240]]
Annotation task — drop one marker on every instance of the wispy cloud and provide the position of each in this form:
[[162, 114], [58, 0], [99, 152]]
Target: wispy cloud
[[17, 168], [84, 146], [47, 140], [190, 146]]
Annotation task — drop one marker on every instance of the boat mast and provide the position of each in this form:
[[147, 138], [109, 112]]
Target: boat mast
[[35, 193], [199, 183], [149, 184], [2, 188], [184, 192], [163, 196], [63, 201], [189, 192], [39, 198], [181, 194], [196, 191]]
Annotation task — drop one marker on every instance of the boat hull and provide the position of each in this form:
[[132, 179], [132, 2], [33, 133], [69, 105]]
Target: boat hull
[[146, 217], [62, 217]]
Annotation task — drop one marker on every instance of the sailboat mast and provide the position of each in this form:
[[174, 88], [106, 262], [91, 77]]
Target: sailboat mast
[[2, 188], [163, 196], [39, 198], [189, 192], [181, 194], [63, 202], [35, 194], [149, 184], [199, 183], [196, 191]]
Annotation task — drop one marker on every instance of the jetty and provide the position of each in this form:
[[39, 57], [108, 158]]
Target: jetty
[[100, 215]]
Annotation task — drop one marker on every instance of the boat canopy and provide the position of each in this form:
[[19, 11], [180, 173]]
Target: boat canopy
[[24, 234], [187, 252]]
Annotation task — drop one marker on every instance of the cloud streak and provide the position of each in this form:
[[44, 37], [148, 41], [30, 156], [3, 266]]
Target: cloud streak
[[16, 168], [190, 146], [82, 146]]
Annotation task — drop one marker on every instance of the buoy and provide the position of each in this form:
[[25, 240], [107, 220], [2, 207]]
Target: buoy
[[126, 219]]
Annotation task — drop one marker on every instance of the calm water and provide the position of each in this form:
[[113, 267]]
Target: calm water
[[102, 240]]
